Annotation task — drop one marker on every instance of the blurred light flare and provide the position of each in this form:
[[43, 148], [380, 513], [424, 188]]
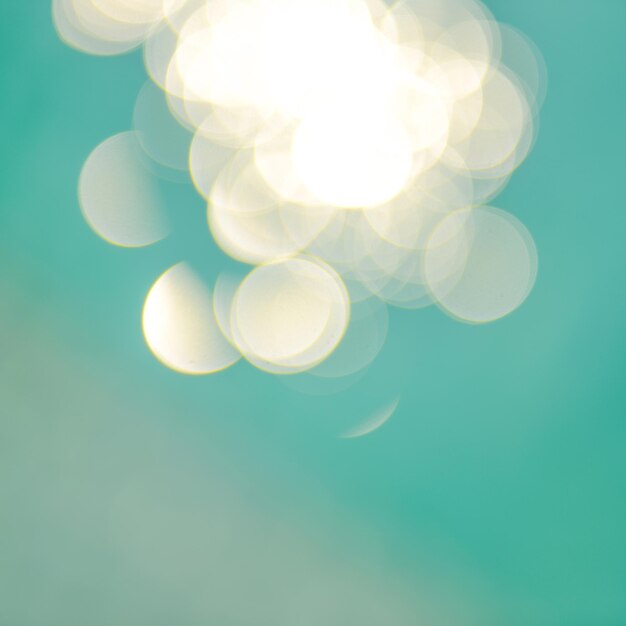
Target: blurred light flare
[[180, 327], [118, 195], [373, 422], [348, 150], [288, 316]]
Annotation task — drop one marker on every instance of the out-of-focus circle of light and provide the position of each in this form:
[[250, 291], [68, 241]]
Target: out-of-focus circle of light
[[290, 315], [118, 195], [180, 327], [373, 422], [495, 268]]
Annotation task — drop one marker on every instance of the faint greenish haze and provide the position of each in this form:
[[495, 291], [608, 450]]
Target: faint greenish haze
[[131, 495]]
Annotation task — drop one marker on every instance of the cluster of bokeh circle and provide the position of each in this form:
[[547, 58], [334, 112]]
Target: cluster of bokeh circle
[[348, 151]]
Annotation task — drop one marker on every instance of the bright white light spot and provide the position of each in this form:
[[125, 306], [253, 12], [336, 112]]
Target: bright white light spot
[[179, 324], [352, 159]]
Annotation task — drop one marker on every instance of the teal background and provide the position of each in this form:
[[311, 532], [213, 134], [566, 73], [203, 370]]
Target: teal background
[[131, 495]]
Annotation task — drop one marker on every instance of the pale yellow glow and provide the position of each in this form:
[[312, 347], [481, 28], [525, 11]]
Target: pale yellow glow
[[289, 315], [407, 221], [498, 130], [132, 11], [206, 161], [98, 24], [253, 224], [75, 33]]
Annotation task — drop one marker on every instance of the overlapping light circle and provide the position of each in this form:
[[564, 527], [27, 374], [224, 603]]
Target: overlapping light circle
[[348, 150]]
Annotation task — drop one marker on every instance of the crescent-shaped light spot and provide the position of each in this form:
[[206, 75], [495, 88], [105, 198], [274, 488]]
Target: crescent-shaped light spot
[[373, 422]]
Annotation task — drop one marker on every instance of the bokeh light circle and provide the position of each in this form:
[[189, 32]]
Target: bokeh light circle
[[289, 315]]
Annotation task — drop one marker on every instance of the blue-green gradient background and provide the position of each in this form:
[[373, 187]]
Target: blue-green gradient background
[[131, 495]]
